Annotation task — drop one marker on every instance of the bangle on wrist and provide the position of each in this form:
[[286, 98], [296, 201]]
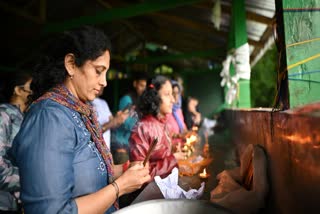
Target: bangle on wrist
[[116, 187]]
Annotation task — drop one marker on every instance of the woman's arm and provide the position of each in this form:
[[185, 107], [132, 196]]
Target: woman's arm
[[101, 200], [115, 121], [9, 174]]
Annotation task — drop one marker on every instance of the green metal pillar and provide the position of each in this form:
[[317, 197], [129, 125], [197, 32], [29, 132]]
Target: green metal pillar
[[238, 37]]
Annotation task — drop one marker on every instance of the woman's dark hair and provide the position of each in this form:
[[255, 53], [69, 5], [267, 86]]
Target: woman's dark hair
[[175, 84], [13, 80], [150, 100], [86, 43]]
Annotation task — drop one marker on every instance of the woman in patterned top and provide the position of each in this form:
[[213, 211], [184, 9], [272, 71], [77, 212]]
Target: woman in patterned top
[[64, 163], [16, 92]]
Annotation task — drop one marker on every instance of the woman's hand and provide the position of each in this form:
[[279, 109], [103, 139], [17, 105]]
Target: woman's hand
[[100, 201], [197, 118], [120, 117], [116, 121], [133, 178]]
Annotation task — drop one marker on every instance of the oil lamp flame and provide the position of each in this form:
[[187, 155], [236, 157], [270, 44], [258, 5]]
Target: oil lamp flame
[[194, 128], [204, 174], [191, 139]]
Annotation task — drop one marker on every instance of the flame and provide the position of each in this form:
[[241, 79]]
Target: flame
[[204, 171], [185, 148], [204, 174], [191, 139]]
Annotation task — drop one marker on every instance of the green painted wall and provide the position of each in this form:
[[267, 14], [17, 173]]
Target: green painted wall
[[302, 33], [204, 85]]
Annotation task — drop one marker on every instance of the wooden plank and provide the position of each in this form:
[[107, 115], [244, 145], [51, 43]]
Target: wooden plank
[[291, 142], [118, 13], [173, 57]]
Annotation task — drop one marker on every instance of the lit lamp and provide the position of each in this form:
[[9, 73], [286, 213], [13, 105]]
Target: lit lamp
[[192, 138], [188, 146], [194, 128], [189, 153], [185, 148], [188, 142], [204, 175]]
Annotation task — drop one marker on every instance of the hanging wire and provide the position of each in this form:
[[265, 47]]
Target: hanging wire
[[303, 61], [303, 42], [315, 9], [302, 80], [306, 72]]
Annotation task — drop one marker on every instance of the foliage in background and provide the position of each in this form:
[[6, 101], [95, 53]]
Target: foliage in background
[[263, 82]]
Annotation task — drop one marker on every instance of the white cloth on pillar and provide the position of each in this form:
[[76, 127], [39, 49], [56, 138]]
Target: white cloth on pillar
[[240, 58]]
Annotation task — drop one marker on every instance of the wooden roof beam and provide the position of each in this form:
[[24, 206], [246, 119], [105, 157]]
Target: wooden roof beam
[[40, 19], [190, 24], [254, 43], [118, 13], [173, 57], [124, 22], [264, 38], [179, 41], [199, 27]]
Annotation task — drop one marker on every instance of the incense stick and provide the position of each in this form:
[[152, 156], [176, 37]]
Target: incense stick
[[151, 148]]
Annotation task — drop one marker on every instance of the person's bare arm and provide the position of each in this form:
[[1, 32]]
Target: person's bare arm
[[116, 121], [101, 200]]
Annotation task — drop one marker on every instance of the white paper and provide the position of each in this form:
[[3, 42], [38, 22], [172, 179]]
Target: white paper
[[171, 190]]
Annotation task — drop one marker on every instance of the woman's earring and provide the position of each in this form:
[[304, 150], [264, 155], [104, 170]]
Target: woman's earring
[[71, 77]]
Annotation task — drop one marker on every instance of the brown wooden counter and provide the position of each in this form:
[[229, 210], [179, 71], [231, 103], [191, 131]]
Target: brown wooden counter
[[292, 143]]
